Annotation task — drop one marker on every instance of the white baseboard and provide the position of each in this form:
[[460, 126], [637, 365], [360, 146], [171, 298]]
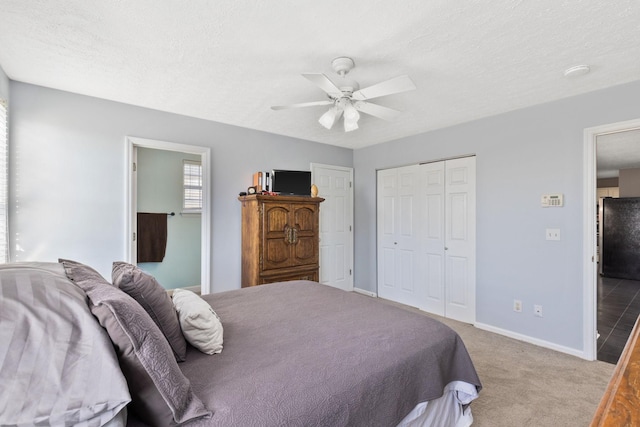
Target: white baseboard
[[363, 292], [531, 340]]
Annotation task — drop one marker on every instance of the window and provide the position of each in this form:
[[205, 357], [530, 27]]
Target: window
[[192, 179], [4, 205]]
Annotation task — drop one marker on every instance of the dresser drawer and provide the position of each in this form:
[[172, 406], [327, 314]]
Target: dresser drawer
[[301, 275]]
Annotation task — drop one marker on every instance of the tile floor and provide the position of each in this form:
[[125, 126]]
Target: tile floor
[[618, 309]]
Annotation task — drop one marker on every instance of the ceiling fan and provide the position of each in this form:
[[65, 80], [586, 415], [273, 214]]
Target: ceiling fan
[[347, 98]]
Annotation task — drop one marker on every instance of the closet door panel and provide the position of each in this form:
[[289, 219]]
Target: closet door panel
[[460, 286], [400, 221], [434, 238], [386, 231]]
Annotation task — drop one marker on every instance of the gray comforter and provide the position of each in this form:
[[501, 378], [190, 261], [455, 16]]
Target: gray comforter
[[304, 354]]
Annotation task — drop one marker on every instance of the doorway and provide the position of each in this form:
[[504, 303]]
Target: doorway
[[590, 230], [618, 281], [426, 237], [201, 153], [160, 177]]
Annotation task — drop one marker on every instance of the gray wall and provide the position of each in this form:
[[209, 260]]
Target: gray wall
[[160, 189], [607, 182], [520, 156], [67, 159], [629, 182]]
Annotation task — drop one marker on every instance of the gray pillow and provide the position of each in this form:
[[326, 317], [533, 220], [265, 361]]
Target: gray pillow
[[145, 289], [53, 352], [162, 395]]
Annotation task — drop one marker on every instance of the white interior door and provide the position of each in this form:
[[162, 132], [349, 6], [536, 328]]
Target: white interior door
[[400, 222], [336, 224], [426, 237]]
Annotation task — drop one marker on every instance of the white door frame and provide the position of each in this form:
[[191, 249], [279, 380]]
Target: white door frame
[[313, 167], [590, 270], [131, 200]]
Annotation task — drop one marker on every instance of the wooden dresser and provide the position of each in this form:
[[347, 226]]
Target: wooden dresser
[[620, 405], [280, 238]]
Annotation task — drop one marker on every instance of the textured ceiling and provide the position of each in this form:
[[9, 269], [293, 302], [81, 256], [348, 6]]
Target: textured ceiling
[[229, 61]]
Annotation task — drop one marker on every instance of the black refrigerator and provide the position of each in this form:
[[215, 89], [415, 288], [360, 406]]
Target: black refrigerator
[[621, 238]]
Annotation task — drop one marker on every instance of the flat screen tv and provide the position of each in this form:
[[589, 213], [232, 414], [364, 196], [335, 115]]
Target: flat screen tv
[[296, 183]]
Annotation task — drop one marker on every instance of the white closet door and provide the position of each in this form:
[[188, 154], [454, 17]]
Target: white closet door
[[434, 239], [460, 235], [426, 237], [400, 214]]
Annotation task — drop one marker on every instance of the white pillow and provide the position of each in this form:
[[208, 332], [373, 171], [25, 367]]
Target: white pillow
[[200, 325]]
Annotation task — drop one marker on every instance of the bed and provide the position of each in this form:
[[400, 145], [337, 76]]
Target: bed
[[295, 354]]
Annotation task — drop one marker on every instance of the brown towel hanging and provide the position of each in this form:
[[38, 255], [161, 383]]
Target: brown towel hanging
[[152, 236]]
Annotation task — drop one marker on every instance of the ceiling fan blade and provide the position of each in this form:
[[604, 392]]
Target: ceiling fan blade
[[304, 104], [388, 87], [324, 83], [375, 110]]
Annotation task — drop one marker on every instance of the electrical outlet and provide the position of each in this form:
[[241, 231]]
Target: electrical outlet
[[517, 305], [552, 234], [537, 310]]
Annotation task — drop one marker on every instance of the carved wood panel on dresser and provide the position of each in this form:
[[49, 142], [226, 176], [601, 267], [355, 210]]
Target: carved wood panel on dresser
[[280, 238]]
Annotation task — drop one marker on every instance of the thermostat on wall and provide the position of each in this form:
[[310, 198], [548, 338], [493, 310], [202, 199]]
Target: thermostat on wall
[[552, 200]]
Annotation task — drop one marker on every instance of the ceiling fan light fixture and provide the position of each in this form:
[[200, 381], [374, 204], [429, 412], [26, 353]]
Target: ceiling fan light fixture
[[350, 125], [350, 112], [329, 118], [351, 115]]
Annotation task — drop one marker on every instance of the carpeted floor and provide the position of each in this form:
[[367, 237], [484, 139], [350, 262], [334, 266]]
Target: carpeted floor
[[527, 385]]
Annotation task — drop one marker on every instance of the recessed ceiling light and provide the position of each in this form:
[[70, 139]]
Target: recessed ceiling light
[[578, 70]]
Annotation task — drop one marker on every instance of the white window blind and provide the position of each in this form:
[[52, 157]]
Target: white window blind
[[192, 173], [4, 191]]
